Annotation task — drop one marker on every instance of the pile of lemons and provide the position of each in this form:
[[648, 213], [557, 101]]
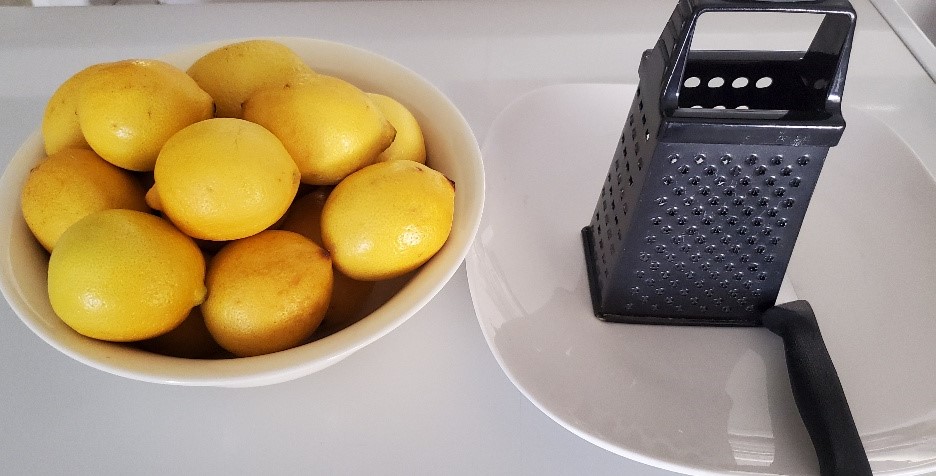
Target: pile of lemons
[[233, 208]]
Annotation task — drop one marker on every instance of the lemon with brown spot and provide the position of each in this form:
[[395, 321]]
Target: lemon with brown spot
[[330, 127], [125, 275], [128, 109], [223, 179], [409, 143], [70, 185], [387, 219], [267, 293]]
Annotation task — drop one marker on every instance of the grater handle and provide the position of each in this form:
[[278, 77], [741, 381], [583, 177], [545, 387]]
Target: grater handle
[[818, 392], [826, 56]]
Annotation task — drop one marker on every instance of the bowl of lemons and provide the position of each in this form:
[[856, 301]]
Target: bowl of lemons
[[237, 213]]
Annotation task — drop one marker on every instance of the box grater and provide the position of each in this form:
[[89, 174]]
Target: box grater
[[714, 170], [708, 188]]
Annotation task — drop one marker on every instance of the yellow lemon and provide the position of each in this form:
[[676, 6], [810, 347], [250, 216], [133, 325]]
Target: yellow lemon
[[347, 302], [190, 340], [409, 143], [223, 179], [124, 275], [330, 127], [70, 185], [267, 293], [305, 215], [152, 198], [60, 128], [348, 295], [387, 219], [128, 109], [232, 73]]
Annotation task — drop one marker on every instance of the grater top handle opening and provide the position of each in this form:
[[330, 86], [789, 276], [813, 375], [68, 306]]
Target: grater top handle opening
[[804, 89]]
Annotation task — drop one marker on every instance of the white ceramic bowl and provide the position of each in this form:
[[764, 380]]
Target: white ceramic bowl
[[452, 149]]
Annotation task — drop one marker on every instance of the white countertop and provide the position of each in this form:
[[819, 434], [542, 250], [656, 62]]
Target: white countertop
[[429, 398]]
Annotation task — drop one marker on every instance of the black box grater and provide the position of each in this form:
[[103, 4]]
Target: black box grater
[[716, 164], [708, 188]]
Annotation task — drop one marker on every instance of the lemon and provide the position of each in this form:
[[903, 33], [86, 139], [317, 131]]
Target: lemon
[[305, 215], [223, 179], [348, 295], [190, 340], [60, 128], [387, 219], [71, 184], [232, 73], [330, 127], [347, 302], [267, 293], [128, 109], [125, 275], [152, 198], [409, 143]]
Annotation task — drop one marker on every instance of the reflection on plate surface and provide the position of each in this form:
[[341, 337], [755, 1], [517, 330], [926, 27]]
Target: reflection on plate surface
[[707, 400]]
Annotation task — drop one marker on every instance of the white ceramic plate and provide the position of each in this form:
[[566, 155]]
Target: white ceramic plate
[[695, 399], [452, 149]]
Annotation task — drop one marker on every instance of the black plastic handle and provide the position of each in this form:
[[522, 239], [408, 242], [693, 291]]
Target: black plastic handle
[[818, 391]]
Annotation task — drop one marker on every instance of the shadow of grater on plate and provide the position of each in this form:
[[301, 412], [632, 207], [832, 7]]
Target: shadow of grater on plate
[[708, 188]]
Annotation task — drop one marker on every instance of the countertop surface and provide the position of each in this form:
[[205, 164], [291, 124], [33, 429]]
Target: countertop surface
[[429, 398]]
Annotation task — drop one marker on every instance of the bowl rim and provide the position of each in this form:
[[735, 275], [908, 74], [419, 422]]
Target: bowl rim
[[289, 364]]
